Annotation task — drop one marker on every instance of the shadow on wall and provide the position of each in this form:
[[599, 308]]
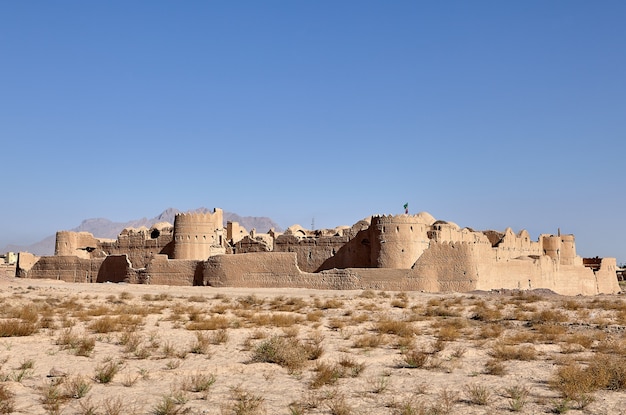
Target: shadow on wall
[[114, 268]]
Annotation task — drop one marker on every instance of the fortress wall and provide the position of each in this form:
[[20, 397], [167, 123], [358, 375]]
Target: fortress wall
[[452, 265], [523, 273], [248, 270], [311, 252], [140, 246], [606, 276], [73, 244], [164, 271], [114, 268], [248, 244], [8, 270], [356, 253], [514, 246], [235, 232], [25, 261], [397, 241], [65, 268]]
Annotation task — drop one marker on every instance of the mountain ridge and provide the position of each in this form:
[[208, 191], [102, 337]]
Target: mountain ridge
[[106, 229]]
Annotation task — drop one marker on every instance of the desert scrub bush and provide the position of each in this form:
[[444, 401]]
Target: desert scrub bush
[[76, 387], [167, 406], [396, 327], [518, 397], [17, 328], [549, 316], [495, 367], [521, 352], [477, 394], [202, 344], [414, 358], [285, 352], [198, 382], [369, 341], [52, 398], [327, 374], [482, 312], [219, 336], [212, 323], [243, 403], [276, 319], [106, 372], [7, 400]]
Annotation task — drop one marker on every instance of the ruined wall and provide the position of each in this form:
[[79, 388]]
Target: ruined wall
[[25, 261], [513, 246], [65, 268], [114, 268], [356, 253], [311, 251], [141, 245], [164, 271], [606, 276], [78, 244], [248, 244], [235, 232], [198, 235]]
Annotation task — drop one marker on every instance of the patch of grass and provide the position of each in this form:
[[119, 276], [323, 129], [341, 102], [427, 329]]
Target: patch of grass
[[286, 352], [76, 387], [521, 352], [477, 394], [105, 373], [244, 403], [518, 397], [198, 382], [17, 328]]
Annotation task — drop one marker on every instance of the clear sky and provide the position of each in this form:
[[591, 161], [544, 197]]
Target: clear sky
[[486, 113]]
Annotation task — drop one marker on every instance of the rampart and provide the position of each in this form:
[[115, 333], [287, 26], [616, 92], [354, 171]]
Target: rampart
[[388, 252]]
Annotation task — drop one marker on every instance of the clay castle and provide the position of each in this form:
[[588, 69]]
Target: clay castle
[[386, 252]]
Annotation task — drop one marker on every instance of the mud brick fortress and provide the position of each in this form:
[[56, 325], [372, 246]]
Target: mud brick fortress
[[395, 252]]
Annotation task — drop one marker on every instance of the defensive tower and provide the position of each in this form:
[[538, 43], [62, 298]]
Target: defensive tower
[[198, 235], [397, 241]]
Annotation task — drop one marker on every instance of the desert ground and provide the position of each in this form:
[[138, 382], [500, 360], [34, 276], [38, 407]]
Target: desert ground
[[143, 349]]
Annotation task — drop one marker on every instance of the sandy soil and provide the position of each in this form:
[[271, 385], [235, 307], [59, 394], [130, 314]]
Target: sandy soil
[[201, 350]]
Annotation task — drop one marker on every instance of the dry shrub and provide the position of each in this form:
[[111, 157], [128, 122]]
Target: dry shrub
[[482, 312], [7, 400], [106, 372], [396, 327], [490, 331], [76, 387], [17, 328], [583, 339], [521, 352], [415, 359], [243, 403], [276, 319], [477, 394], [198, 382], [495, 367], [575, 381], [285, 352], [314, 316], [212, 323], [201, 345], [549, 316], [369, 341], [329, 373], [550, 332]]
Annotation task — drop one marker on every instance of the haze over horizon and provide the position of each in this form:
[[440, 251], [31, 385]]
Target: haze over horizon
[[487, 114]]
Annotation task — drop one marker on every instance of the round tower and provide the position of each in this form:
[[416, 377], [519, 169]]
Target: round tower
[[568, 250], [66, 243], [552, 247], [196, 233], [397, 241]]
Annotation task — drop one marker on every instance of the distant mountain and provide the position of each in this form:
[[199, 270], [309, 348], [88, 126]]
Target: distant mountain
[[106, 229]]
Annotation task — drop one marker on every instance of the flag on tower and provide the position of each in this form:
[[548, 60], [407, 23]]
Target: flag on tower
[[406, 208]]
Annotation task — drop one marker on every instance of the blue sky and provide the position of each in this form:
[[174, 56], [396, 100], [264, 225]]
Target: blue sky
[[485, 113]]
